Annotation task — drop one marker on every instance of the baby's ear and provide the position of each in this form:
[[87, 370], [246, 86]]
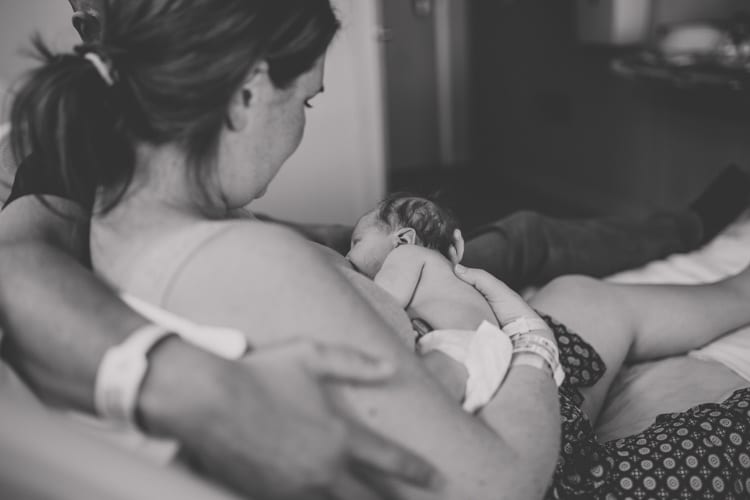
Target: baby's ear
[[406, 236], [457, 248]]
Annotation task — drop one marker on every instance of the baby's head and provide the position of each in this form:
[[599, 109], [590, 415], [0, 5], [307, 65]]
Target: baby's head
[[398, 220]]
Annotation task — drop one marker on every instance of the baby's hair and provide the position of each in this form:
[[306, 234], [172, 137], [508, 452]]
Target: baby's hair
[[433, 224]]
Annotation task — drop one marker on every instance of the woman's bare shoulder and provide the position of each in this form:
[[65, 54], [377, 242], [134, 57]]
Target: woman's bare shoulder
[[251, 248], [251, 271], [252, 237]]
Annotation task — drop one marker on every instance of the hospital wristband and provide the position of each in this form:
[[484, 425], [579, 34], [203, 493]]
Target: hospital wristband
[[540, 347], [121, 373], [524, 324]]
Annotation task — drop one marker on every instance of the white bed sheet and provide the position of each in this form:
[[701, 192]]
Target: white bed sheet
[[645, 390], [726, 255]]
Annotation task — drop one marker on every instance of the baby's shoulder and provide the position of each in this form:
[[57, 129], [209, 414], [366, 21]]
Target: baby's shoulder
[[417, 255], [413, 253]]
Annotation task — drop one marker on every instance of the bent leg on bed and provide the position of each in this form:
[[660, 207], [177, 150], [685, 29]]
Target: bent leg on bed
[[631, 323], [581, 304]]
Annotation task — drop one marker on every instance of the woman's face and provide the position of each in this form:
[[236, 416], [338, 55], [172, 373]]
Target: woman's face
[[371, 244], [273, 126]]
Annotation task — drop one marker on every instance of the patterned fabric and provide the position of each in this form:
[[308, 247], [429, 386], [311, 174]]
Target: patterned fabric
[[702, 453]]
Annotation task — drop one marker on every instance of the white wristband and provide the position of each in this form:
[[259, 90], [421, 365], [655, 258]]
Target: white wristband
[[541, 347], [525, 324], [124, 366], [227, 343], [121, 373]]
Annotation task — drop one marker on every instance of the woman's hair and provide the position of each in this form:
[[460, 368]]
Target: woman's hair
[[433, 224], [176, 65]]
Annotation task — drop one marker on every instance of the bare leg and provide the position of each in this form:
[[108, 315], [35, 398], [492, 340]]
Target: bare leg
[[629, 323]]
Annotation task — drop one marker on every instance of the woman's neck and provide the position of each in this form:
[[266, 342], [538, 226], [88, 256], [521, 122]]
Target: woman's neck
[[162, 183]]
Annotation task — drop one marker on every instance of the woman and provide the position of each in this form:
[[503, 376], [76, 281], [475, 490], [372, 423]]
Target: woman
[[186, 111]]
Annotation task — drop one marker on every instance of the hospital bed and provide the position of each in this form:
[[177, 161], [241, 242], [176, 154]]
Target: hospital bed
[[45, 455]]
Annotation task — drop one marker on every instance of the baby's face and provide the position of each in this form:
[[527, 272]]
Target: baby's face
[[371, 244]]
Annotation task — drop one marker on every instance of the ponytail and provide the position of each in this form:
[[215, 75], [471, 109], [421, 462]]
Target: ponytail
[[67, 115]]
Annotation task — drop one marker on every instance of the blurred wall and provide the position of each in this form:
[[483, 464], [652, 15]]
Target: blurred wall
[[339, 171], [19, 19], [553, 117], [677, 11]]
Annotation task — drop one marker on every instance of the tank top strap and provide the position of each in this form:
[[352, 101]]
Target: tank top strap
[[158, 267]]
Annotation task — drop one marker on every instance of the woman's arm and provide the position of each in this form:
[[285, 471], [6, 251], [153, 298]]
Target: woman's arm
[[524, 414], [48, 300], [263, 279]]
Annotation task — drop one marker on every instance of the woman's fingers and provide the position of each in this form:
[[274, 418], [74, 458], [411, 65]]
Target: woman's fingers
[[381, 458], [505, 303], [489, 286], [385, 459], [345, 364], [348, 487], [374, 481]]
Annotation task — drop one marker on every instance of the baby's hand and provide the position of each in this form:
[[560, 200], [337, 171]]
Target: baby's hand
[[449, 373]]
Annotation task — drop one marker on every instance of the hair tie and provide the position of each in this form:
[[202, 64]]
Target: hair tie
[[95, 53], [104, 70]]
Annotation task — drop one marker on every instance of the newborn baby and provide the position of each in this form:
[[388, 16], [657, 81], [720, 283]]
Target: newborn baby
[[409, 246], [404, 245]]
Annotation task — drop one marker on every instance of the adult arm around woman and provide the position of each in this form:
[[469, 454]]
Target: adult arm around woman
[[58, 321]]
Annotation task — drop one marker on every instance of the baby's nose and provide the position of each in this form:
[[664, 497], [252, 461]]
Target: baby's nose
[[351, 263]]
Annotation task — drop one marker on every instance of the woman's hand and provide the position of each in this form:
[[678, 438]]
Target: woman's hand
[[506, 304], [269, 428]]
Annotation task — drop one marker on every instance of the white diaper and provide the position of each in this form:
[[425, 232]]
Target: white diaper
[[486, 354]]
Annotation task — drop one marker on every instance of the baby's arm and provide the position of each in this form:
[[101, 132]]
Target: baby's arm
[[401, 273], [400, 276]]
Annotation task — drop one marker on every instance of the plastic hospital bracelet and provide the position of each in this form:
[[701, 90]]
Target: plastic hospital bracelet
[[534, 350], [121, 373], [124, 367], [524, 325], [544, 349], [538, 349]]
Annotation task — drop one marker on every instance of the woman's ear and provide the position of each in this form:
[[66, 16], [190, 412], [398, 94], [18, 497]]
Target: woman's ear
[[406, 236], [250, 94], [87, 25]]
